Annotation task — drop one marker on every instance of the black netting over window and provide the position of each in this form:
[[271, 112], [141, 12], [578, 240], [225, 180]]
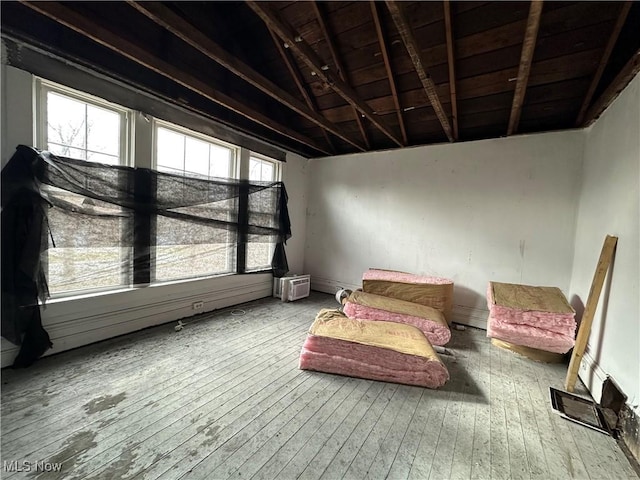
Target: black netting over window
[[72, 225]]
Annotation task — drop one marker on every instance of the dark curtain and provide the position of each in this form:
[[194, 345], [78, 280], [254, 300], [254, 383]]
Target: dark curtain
[[50, 197]]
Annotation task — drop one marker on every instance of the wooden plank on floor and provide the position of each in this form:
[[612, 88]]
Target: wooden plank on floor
[[234, 433], [242, 408], [444, 456], [500, 467], [366, 453], [481, 452], [329, 450], [515, 386], [298, 412], [309, 449], [113, 440], [463, 444], [182, 439], [284, 449], [168, 395], [388, 447], [350, 448], [425, 453]]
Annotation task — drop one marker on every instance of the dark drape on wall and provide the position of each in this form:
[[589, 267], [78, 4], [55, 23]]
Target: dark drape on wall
[[47, 200]]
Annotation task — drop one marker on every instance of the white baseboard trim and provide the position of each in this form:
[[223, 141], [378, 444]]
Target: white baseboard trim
[[327, 285], [472, 316], [81, 321], [592, 376]]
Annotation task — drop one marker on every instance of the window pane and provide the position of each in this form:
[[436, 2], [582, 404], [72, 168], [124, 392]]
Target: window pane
[[103, 158], [220, 161], [261, 170], [254, 169], [84, 253], [103, 131], [66, 151], [175, 259], [189, 249], [259, 255], [169, 151], [267, 171], [65, 123], [196, 157]]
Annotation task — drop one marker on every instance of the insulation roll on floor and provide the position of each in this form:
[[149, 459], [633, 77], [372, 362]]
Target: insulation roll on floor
[[435, 292], [385, 351], [368, 306], [530, 316]]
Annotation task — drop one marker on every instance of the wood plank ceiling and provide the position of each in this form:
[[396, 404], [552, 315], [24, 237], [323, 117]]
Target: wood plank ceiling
[[322, 78]]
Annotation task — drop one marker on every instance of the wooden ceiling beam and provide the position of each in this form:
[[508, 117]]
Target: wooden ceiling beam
[[314, 62], [297, 78], [452, 67], [613, 38], [387, 64], [339, 65], [96, 32], [630, 70], [182, 29], [409, 40], [526, 58]]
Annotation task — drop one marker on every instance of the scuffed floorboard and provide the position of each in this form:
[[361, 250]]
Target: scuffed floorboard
[[223, 398]]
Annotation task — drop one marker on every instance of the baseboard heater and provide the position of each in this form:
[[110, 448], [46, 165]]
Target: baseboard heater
[[289, 289]]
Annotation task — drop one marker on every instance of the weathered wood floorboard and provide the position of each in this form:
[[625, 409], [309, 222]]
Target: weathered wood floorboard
[[224, 398]]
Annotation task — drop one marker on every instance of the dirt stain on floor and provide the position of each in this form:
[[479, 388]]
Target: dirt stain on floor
[[103, 402], [120, 468], [72, 448]]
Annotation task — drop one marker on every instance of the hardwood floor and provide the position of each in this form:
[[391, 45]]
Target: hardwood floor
[[223, 398]]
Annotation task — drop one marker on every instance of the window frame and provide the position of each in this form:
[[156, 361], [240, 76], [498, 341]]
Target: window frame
[[43, 87], [234, 168], [234, 171], [138, 148], [277, 177], [277, 165]]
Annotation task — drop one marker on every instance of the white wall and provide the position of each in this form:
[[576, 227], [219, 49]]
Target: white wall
[[501, 209], [610, 204], [78, 321]]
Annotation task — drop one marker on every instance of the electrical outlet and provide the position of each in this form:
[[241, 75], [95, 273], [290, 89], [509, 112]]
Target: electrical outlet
[[197, 305]]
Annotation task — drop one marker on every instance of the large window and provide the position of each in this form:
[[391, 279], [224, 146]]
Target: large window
[[185, 152], [76, 125], [259, 254]]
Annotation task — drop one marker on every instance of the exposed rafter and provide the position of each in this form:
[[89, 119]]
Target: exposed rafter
[[297, 78], [169, 20], [409, 40], [613, 38], [96, 32], [630, 70], [526, 58], [338, 63], [313, 61], [451, 59], [385, 56]]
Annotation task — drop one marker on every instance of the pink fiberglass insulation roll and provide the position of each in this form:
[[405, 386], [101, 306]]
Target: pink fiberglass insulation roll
[[341, 357], [393, 276], [436, 333], [435, 292], [529, 336], [560, 322]]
